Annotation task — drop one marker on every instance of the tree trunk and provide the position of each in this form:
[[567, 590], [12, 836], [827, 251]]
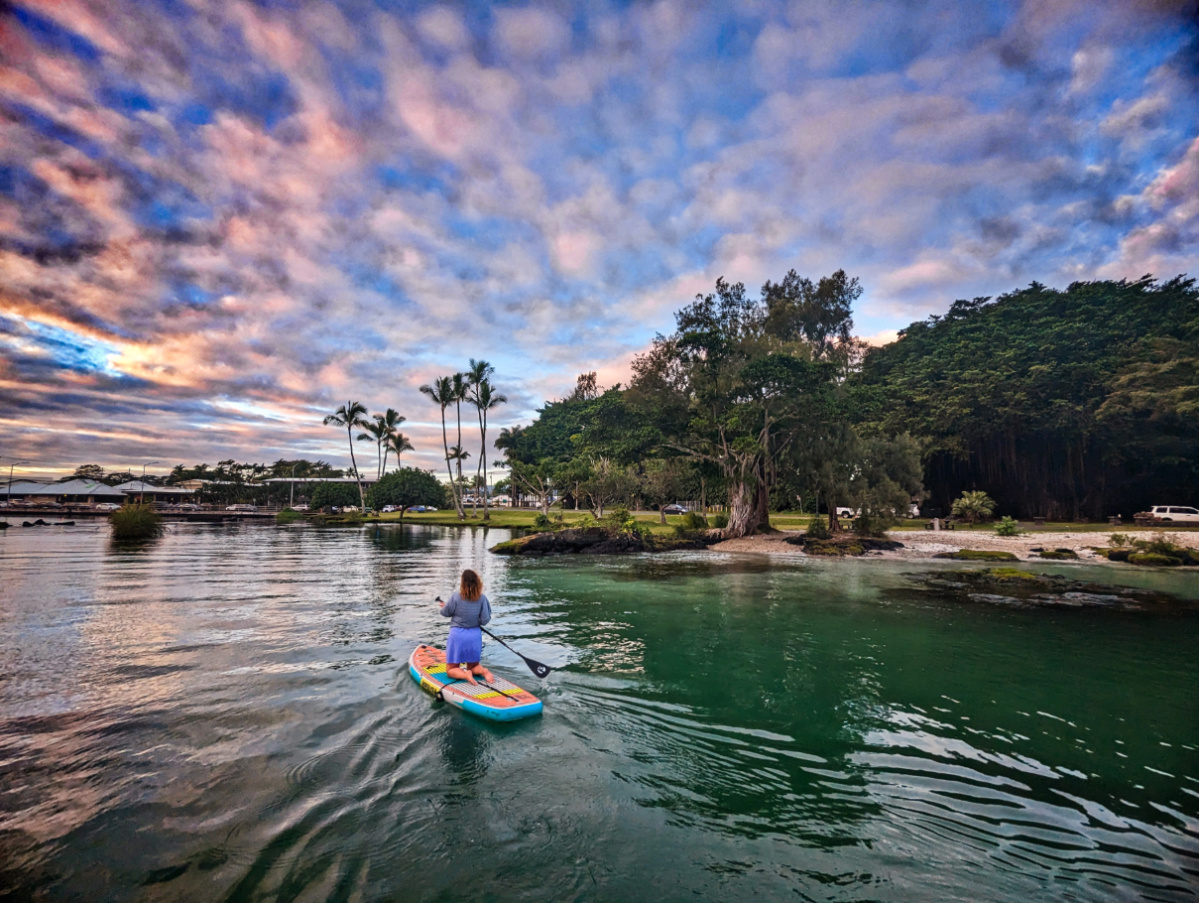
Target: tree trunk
[[662, 514], [357, 479], [744, 515], [445, 441]]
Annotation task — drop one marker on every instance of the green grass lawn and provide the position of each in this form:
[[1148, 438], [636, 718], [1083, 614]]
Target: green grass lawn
[[524, 517]]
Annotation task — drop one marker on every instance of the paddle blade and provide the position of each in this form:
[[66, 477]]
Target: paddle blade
[[537, 668]]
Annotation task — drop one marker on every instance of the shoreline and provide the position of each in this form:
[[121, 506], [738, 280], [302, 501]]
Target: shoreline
[[929, 544]]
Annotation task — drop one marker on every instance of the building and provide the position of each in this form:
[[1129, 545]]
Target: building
[[141, 490], [71, 491]]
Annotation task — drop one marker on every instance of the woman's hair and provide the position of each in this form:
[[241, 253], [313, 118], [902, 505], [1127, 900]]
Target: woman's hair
[[472, 586]]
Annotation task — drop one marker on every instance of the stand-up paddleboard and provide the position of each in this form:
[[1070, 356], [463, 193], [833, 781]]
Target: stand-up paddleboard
[[501, 701]]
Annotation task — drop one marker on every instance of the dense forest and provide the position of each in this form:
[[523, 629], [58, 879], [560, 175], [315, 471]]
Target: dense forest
[[1066, 404], [1069, 404]]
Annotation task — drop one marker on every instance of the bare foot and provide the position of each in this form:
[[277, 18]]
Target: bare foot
[[488, 676], [470, 679]]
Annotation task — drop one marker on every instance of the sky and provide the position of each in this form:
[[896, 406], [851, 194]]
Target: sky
[[220, 220]]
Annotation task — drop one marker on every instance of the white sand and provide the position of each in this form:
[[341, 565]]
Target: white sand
[[927, 543]]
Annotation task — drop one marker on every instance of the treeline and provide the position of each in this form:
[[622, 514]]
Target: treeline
[[1064, 404], [1069, 404]]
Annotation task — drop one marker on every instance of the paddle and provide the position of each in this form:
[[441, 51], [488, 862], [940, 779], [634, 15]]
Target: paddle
[[536, 667]]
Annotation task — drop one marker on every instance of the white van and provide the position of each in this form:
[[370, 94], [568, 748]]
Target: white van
[[1176, 514]]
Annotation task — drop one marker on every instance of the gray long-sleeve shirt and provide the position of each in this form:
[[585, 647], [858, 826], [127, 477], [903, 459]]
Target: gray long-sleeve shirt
[[467, 614]]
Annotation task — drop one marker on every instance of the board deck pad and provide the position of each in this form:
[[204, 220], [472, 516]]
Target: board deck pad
[[501, 701]]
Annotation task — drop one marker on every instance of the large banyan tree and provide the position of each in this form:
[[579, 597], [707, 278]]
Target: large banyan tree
[[740, 380]]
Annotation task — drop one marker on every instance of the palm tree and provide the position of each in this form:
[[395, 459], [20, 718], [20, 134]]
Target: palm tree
[[399, 444], [351, 414], [375, 432], [484, 398], [391, 422], [442, 393], [506, 442], [461, 389]]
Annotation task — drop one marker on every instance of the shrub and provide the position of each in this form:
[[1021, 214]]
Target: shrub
[[817, 528], [620, 522], [288, 516], [870, 525], [1008, 526], [720, 521], [542, 522], [1119, 540], [135, 521], [693, 522], [974, 506], [1153, 559]]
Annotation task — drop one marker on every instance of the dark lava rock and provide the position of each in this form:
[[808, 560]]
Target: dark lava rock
[[1058, 554], [596, 541], [842, 545], [1022, 589]]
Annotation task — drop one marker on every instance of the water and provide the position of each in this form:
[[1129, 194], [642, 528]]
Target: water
[[225, 715]]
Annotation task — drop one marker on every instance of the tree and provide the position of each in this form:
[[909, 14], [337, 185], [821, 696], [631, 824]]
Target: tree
[[607, 484], [974, 506], [351, 415], [376, 432], [88, 472], [390, 421], [460, 386], [399, 443], [406, 487], [731, 392], [441, 392], [662, 483], [336, 494], [485, 399]]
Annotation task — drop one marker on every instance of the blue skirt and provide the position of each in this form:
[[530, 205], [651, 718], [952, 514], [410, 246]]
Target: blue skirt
[[464, 645]]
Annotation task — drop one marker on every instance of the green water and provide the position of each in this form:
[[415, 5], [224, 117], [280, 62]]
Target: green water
[[225, 715]]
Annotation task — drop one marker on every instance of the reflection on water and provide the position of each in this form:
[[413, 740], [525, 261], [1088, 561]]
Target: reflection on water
[[225, 714]]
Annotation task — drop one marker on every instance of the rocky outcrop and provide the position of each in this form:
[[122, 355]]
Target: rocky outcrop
[[843, 545], [595, 541]]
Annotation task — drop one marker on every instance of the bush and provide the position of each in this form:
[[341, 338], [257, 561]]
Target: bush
[[693, 522], [973, 506], [135, 521], [288, 516], [1119, 540], [720, 521], [870, 525], [817, 528], [1008, 526], [1153, 559], [542, 522], [620, 522]]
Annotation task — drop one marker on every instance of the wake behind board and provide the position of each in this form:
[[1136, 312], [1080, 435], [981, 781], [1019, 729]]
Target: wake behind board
[[502, 701]]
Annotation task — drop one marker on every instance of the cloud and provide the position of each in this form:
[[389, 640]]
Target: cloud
[[219, 220]]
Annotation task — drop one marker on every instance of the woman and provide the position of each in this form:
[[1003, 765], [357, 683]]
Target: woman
[[469, 610]]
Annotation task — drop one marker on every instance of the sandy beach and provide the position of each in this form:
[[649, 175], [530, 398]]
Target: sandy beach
[[926, 544]]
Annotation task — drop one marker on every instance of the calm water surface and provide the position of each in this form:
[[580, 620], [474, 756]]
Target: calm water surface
[[225, 715]]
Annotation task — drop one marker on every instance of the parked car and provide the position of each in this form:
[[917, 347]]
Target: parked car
[[345, 508], [851, 513], [189, 506], [299, 507], [676, 509], [419, 509], [242, 508], [389, 509], [108, 506], [1175, 514]]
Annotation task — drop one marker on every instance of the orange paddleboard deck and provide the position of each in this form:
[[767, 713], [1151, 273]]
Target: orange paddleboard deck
[[501, 700]]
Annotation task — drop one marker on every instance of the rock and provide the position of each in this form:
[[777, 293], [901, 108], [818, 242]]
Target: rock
[[977, 555], [1010, 586], [842, 546], [1059, 555]]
